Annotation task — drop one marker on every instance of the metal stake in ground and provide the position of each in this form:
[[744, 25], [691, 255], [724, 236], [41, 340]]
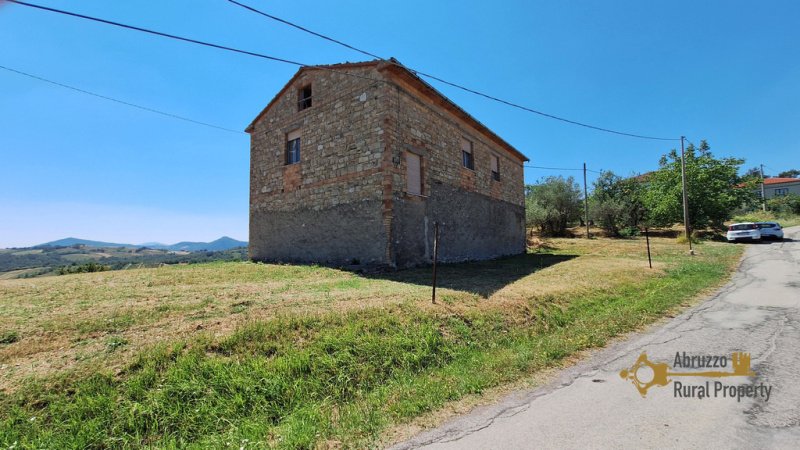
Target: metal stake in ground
[[435, 257], [585, 202], [647, 238]]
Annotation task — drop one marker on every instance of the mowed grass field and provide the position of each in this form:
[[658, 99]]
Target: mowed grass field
[[260, 355]]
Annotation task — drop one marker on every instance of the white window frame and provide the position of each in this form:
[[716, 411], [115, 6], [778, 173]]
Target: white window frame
[[293, 145], [780, 192]]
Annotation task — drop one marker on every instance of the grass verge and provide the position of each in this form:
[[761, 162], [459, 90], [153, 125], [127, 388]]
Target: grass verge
[[302, 380], [786, 220]]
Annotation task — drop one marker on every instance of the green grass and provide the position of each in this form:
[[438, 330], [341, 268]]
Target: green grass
[[786, 220], [327, 379]]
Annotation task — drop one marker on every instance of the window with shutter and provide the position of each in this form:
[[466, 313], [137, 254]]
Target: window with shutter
[[495, 168], [413, 174], [467, 158]]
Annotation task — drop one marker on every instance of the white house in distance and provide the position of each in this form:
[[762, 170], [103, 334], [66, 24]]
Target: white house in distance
[[778, 187]]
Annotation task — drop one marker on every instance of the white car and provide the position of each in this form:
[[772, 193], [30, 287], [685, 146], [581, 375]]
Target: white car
[[744, 231], [771, 230]]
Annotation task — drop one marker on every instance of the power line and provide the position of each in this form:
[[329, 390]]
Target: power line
[[301, 28], [296, 63], [104, 97], [185, 39], [544, 114], [557, 168], [548, 168], [449, 83], [157, 33]]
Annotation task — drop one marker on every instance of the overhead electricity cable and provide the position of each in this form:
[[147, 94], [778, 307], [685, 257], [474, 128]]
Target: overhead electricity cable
[[301, 28], [557, 168], [449, 83], [296, 63], [105, 97], [189, 40]]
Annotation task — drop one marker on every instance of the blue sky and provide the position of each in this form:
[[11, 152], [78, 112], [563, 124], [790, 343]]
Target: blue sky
[[74, 165]]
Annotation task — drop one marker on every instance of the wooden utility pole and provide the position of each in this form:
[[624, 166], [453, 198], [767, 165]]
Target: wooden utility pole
[[685, 198], [763, 195], [585, 202], [647, 238]]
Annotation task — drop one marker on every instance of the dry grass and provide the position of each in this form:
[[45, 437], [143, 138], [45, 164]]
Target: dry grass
[[84, 321]]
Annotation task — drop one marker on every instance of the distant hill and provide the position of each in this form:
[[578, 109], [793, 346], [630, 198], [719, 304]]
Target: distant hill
[[68, 242], [221, 244]]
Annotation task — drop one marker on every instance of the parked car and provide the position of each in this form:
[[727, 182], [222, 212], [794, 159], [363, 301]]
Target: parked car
[[744, 231], [770, 230]]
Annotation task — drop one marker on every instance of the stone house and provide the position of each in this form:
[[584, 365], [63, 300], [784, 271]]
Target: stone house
[[353, 163], [778, 187]]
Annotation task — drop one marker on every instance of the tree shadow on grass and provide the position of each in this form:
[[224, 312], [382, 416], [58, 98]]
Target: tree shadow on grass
[[479, 277]]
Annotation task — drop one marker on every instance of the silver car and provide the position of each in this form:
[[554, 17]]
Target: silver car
[[744, 231], [770, 230]]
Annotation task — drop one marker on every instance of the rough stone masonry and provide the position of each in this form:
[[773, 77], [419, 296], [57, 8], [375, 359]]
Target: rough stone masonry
[[353, 163]]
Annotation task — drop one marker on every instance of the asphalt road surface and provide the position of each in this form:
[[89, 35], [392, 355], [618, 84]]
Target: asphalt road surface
[[592, 406]]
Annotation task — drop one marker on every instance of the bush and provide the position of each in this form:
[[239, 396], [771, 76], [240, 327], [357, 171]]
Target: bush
[[785, 205], [82, 268], [682, 238], [9, 337], [755, 216], [629, 232]]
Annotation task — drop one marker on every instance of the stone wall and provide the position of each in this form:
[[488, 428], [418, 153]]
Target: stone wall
[[480, 217], [309, 211]]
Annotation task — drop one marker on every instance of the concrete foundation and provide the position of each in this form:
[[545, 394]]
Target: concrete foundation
[[341, 235], [472, 227]]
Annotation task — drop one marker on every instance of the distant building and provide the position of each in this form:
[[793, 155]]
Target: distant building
[[353, 163], [777, 187]]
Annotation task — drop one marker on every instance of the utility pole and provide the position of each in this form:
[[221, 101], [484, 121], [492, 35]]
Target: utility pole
[[763, 195], [685, 198], [585, 202]]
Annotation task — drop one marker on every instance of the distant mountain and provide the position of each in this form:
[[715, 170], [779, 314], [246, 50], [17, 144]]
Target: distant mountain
[[221, 244], [68, 242], [153, 244]]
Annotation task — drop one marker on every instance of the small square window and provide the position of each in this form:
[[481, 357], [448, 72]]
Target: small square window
[[304, 98], [293, 147], [495, 168], [467, 158]]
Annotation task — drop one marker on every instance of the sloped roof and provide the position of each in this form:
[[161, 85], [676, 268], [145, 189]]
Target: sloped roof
[[781, 180], [398, 72]]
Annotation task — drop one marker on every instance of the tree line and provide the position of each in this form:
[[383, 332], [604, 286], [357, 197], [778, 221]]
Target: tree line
[[623, 205]]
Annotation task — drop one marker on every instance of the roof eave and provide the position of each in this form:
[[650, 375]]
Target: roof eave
[[395, 68]]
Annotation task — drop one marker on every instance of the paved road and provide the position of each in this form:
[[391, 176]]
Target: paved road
[[591, 406]]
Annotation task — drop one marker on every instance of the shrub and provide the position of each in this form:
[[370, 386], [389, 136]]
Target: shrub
[[82, 268], [9, 337], [784, 205]]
